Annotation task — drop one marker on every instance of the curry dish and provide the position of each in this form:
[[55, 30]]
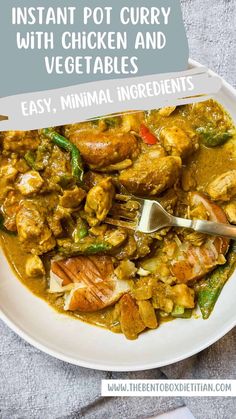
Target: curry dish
[[58, 186]]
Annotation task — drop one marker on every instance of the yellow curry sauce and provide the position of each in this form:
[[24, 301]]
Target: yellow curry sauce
[[54, 230]]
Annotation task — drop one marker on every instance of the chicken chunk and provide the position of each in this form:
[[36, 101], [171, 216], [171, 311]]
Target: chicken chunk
[[56, 218], [143, 244], [128, 250], [99, 199], [20, 141], [34, 267], [132, 121], [92, 282], [58, 165], [30, 183], [230, 211], [8, 175], [103, 149], [72, 198], [188, 180], [151, 176], [10, 208], [177, 142], [223, 188], [33, 231], [136, 246]]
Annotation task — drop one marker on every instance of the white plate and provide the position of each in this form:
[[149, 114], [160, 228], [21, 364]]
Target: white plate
[[89, 346]]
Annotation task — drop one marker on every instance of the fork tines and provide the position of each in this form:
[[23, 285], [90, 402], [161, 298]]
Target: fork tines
[[124, 212]]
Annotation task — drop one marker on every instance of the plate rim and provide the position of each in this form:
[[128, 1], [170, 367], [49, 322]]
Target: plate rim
[[105, 367]]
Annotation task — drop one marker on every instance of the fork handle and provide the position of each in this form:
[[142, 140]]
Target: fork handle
[[207, 227]]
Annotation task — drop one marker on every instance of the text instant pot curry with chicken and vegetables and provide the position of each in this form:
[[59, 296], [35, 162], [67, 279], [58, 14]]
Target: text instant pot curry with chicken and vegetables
[[59, 185]]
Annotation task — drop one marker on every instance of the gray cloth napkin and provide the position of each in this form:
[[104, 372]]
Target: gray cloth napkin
[[34, 385]]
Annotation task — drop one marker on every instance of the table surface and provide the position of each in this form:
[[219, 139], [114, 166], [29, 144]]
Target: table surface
[[34, 385]]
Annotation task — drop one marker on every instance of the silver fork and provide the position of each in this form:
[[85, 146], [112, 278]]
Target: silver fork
[[149, 216]]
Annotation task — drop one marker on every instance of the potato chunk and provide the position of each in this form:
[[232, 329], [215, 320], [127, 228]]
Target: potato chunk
[[183, 296], [34, 267], [126, 270], [130, 319], [162, 297], [30, 183], [147, 314]]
